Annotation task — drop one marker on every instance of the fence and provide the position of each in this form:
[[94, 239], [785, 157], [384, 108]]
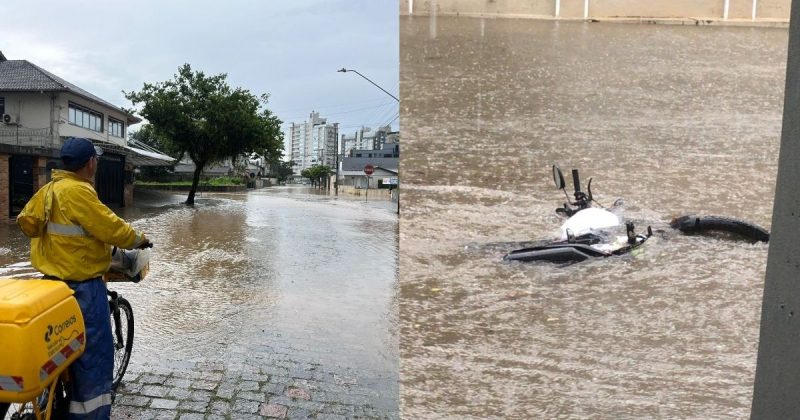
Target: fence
[[26, 137], [718, 10]]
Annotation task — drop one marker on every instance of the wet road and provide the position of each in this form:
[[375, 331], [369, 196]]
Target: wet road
[[242, 280], [676, 120]]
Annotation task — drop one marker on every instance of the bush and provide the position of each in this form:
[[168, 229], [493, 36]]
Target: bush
[[223, 180], [226, 181]]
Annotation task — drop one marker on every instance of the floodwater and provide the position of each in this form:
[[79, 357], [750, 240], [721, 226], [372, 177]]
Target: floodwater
[[246, 279], [676, 120]]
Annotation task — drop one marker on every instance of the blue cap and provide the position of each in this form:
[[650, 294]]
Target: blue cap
[[77, 151]]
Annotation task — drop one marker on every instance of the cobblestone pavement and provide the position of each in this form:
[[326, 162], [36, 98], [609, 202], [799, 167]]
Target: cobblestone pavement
[[284, 389]]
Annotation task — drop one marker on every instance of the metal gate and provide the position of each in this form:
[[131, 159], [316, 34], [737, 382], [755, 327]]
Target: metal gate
[[21, 182], [110, 180]]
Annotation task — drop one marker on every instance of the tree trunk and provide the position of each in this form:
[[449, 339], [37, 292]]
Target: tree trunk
[[195, 180]]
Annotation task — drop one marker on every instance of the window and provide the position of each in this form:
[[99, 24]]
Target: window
[[115, 128], [85, 117], [2, 106]]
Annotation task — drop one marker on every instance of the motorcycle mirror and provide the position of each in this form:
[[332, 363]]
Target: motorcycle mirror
[[558, 178]]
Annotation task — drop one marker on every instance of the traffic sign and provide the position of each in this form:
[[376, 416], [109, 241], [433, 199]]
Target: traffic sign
[[369, 170]]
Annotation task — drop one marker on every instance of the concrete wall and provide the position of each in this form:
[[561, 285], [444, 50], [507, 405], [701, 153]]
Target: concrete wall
[[33, 109], [776, 390], [773, 9], [575, 9], [661, 9], [530, 7], [373, 193]]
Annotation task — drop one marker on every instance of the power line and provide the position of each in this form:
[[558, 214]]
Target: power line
[[382, 99], [385, 115], [393, 120], [377, 114], [328, 114]]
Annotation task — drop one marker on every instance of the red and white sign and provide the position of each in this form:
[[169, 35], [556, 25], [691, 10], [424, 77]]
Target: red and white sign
[[369, 170]]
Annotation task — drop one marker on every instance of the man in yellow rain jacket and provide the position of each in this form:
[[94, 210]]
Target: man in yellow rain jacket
[[72, 233]]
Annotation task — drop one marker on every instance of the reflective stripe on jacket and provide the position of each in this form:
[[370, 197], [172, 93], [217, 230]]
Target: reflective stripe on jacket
[[78, 229]]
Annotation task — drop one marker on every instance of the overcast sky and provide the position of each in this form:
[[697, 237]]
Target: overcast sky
[[289, 49]]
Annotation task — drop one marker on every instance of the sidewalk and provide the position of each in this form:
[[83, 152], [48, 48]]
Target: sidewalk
[[284, 390]]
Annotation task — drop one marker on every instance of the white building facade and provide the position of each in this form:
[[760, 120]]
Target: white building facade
[[313, 143]]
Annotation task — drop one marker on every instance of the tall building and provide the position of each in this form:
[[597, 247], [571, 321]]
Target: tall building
[[313, 143], [365, 139]]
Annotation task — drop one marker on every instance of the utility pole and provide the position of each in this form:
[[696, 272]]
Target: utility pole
[[336, 159]]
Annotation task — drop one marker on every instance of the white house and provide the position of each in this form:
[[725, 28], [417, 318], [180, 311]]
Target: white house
[[39, 110]]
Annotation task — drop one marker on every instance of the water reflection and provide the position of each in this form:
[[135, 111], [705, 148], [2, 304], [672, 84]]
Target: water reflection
[[251, 278], [676, 120]]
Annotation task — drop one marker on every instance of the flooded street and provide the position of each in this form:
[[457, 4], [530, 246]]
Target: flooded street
[[276, 281], [676, 120]]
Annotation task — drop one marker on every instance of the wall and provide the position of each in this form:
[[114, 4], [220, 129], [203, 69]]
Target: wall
[[773, 9], [33, 110], [658, 9], [373, 193], [777, 381], [530, 7], [667, 9]]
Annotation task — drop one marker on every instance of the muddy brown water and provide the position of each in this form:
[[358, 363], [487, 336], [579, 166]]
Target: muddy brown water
[[243, 280], [674, 119]]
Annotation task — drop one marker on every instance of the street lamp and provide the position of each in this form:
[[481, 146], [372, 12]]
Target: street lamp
[[344, 70]]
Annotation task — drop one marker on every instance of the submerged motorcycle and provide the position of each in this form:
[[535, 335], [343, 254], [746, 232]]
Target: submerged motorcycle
[[588, 232], [594, 232]]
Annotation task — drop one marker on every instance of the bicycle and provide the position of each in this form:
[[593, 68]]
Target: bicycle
[[122, 333], [51, 399]]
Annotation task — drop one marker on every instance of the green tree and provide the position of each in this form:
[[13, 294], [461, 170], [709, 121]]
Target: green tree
[[208, 120], [316, 174], [282, 170]]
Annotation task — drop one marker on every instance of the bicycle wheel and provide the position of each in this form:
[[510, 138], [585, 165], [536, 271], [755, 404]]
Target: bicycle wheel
[[25, 411], [122, 333]]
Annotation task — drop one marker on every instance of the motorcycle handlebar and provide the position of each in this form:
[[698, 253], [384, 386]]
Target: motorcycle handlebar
[[576, 180]]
